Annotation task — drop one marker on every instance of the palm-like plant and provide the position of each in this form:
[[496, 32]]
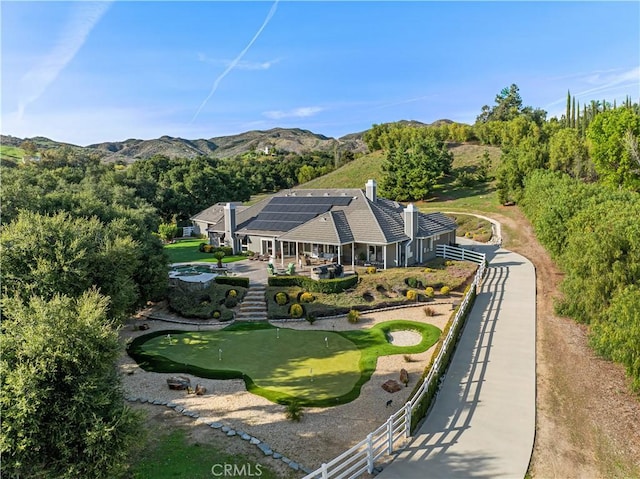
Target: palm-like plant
[[219, 255], [294, 411]]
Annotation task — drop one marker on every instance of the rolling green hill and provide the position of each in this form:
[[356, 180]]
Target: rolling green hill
[[356, 173]]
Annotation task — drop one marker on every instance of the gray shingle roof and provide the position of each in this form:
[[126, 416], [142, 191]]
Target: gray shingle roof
[[361, 221]]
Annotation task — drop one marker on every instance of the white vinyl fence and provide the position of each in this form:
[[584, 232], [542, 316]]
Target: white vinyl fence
[[389, 437]]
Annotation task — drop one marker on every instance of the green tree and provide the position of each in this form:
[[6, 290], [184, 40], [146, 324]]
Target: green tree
[[63, 414], [616, 334], [484, 168], [568, 153], [167, 231], [609, 146], [49, 255], [601, 257], [306, 173], [508, 105], [412, 165], [29, 147]]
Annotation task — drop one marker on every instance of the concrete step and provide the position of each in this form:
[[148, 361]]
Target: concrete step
[[253, 307]]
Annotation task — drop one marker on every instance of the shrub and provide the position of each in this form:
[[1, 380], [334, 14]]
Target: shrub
[[327, 286], [412, 295], [306, 297], [371, 269], [227, 315], [445, 290], [429, 292], [294, 411], [233, 281], [429, 270], [208, 248], [429, 311], [230, 302], [281, 298], [296, 310], [232, 293], [353, 316], [311, 318], [412, 282], [216, 314], [201, 247], [227, 250], [408, 358], [449, 263]]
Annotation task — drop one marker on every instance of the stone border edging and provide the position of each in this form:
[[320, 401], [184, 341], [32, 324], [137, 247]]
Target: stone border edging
[[230, 432]]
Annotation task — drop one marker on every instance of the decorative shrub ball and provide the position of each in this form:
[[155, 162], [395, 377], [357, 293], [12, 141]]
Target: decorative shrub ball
[[282, 298], [412, 295], [429, 292], [216, 315], [296, 310], [353, 316], [306, 297], [371, 269], [232, 293], [445, 290]]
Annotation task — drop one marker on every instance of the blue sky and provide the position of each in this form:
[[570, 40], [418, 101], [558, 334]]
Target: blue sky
[[86, 72]]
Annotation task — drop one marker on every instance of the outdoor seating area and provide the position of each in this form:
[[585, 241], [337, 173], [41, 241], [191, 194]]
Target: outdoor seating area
[[330, 271], [289, 271]]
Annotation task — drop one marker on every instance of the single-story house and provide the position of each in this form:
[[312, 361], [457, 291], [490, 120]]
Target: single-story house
[[346, 226]]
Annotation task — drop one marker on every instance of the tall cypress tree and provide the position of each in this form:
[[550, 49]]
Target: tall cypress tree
[[573, 113], [567, 118]]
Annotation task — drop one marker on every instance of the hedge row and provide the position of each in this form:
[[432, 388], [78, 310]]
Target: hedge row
[[205, 248], [327, 286], [420, 410], [233, 281]]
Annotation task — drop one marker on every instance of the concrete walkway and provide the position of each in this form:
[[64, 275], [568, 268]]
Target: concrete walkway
[[483, 422]]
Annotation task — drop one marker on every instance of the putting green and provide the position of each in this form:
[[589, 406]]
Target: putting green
[[315, 367]]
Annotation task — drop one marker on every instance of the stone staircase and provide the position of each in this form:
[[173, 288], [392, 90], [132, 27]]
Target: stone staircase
[[254, 305]]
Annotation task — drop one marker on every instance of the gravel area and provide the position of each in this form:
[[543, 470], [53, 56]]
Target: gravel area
[[323, 433]]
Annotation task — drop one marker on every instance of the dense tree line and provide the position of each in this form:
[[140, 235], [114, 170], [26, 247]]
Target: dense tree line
[[594, 234], [282, 170], [78, 256]]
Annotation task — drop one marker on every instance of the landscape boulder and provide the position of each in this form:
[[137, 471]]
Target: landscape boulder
[[179, 383], [391, 386]]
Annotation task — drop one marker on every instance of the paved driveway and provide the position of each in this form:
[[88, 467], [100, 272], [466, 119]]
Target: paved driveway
[[483, 422]]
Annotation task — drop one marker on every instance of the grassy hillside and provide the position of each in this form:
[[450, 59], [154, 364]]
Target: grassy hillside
[[11, 154], [356, 173], [352, 175]]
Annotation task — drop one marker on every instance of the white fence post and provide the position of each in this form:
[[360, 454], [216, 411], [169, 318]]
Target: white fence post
[[407, 420], [390, 435], [325, 473], [370, 453]]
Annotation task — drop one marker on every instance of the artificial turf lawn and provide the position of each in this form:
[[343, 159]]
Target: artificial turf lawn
[[186, 251], [280, 364]]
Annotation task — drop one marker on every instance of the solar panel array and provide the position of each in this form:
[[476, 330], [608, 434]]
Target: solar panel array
[[283, 213]]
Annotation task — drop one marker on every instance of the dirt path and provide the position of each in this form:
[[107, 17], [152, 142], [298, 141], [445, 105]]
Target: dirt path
[[587, 419]]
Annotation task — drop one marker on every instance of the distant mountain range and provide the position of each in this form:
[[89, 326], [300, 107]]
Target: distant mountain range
[[283, 139]]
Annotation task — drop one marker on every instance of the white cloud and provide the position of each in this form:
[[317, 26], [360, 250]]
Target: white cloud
[[85, 16], [302, 112], [605, 83]]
